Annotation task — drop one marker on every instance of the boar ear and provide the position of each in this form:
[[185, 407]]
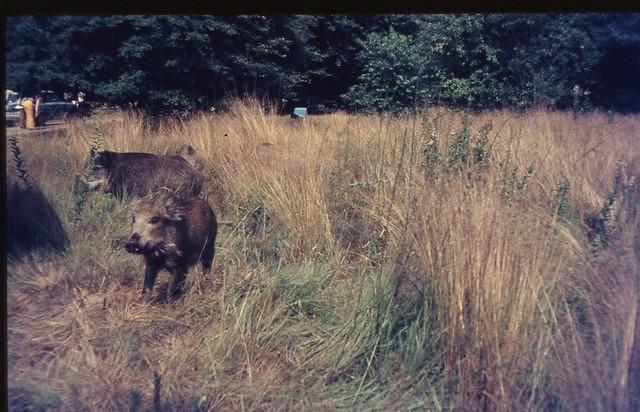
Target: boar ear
[[174, 211], [176, 215]]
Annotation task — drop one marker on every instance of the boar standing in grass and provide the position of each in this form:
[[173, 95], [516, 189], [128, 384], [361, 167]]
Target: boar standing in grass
[[172, 233], [139, 174]]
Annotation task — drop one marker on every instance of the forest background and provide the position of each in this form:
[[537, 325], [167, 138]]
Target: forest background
[[363, 63]]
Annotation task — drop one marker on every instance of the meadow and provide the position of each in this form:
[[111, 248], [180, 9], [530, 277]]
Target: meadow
[[438, 261]]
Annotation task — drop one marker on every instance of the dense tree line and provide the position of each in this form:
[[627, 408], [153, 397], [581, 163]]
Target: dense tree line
[[365, 63]]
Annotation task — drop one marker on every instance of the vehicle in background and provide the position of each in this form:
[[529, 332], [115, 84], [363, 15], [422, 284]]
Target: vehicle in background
[[51, 107], [12, 109], [299, 113]]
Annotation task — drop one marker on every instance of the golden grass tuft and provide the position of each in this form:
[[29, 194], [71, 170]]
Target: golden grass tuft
[[352, 269]]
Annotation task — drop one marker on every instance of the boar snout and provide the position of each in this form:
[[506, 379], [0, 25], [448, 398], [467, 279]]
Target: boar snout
[[133, 245]]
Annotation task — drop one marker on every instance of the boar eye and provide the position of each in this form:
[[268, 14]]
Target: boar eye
[[154, 220]]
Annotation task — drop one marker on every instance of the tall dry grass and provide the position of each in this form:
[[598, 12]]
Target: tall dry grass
[[440, 261]]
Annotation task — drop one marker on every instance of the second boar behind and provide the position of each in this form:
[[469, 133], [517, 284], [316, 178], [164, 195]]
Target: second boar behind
[[139, 174]]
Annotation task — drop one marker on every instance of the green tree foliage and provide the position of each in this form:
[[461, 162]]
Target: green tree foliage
[[546, 57], [35, 53], [616, 83], [330, 45], [372, 63], [164, 63], [392, 75], [462, 60], [497, 60]]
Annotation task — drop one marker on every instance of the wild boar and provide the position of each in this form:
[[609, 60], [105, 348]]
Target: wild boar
[[139, 174], [172, 233]]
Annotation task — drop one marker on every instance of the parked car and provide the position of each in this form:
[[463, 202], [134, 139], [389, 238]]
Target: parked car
[[53, 108], [12, 109], [299, 113]]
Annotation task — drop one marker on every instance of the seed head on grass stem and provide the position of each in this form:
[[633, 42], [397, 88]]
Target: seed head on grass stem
[[80, 188]]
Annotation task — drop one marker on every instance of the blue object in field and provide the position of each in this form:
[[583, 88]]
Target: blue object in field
[[299, 112]]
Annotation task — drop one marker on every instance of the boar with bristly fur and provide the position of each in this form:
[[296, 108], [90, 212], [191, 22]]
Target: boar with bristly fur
[[139, 174], [174, 234]]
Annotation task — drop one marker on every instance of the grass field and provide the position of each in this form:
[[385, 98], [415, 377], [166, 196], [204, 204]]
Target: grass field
[[435, 262]]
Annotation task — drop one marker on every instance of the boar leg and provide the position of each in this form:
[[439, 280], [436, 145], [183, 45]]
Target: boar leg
[[207, 257], [179, 274], [150, 274]]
